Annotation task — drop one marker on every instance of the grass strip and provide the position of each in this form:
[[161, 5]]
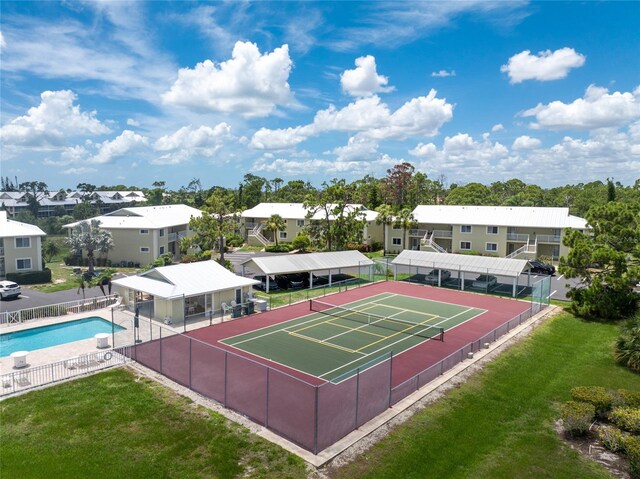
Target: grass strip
[[500, 424]]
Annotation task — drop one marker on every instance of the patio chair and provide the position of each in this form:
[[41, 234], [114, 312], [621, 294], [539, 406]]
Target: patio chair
[[225, 308], [233, 303]]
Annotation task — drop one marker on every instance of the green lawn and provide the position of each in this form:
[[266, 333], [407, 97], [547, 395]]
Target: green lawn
[[114, 425], [500, 423]]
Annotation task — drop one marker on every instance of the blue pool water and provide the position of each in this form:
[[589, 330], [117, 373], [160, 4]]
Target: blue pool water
[[54, 335]]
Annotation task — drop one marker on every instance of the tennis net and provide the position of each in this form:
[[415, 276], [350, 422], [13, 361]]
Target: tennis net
[[394, 324]]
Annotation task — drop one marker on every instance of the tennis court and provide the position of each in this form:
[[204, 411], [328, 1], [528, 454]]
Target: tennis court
[[332, 342]]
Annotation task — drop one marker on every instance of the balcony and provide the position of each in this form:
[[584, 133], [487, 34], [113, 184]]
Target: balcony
[[176, 236], [555, 239], [518, 237], [442, 233], [418, 232]]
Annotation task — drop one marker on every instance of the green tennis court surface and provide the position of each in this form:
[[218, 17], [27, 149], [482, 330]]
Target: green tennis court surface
[[334, 343]]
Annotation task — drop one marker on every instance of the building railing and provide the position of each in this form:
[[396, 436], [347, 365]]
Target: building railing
[[418, 232], [53, 310], [549, 239], [518, 237], [176, 236], [442, 233]]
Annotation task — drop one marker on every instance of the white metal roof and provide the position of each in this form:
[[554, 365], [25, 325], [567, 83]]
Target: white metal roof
[[188, 279], [522, 216], [462, 262], [10, 228], [298, 263], [295, 211], [146, 217]]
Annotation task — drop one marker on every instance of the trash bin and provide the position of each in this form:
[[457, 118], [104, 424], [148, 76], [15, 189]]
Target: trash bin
[[250, 307], [236, 312]]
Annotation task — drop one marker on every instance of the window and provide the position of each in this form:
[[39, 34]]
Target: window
[[283, 234], [144, 232], [161, 232], [491, 247], [465, 245], [492, 230], [144, 249], [23, 263], [396, 241], [465, 228], [23, 242], [161, 249], [300, 223]]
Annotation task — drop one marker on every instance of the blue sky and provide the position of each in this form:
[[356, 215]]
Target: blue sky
[[132, 93]]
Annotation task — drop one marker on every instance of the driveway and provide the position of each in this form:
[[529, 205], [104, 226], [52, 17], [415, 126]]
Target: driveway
[[31, 298]]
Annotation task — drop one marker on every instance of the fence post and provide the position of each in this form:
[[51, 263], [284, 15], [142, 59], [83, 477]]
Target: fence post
[[315, 428], [225, 378], [357, 395], [390, 376], [266, 409], [190, 361]]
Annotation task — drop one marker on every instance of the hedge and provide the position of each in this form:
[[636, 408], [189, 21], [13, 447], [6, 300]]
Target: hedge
[[627, 418], [632, 448], [596, 395], [31, 277], [612, 438]]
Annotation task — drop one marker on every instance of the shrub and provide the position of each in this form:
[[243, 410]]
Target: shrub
[[624, 397], [301, 242], [577, 417], [376, 246], [30, 277], [278, 248], [596, 395], [632, 449], [611, 438], [627, 418], [627, 350], [234, 240]]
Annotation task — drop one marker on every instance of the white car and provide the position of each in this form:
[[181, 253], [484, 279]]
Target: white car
[[9, 289], [485, 281]]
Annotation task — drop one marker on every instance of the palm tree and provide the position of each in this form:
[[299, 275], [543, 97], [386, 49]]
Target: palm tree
[[405, 220], [88, 236], [275, 223], [385, 218]]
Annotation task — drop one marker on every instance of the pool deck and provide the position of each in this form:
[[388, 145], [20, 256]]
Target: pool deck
[[62, 352]]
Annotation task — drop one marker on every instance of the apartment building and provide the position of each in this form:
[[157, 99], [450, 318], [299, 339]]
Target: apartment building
[[20, 246], [252, 223], [15, 202], [503, 231], [142, 234]]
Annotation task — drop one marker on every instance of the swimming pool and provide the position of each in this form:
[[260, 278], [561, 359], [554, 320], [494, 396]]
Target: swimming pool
[[54, 335]]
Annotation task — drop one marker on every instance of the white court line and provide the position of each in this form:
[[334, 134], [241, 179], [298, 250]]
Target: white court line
[[554, 292], [560, 277]]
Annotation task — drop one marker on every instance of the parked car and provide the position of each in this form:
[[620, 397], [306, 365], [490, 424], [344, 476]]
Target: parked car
[[273, 286], [432, 277], [485, 281], [9, 289], [290, 281], [539, 267]]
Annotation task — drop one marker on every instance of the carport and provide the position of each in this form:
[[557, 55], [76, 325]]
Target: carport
[[309, 263], [461, 264]]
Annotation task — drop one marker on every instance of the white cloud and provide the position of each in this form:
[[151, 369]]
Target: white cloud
[[525, 143], [127, 142], [545, 66], [132, 122], [288, 167], [357, 148], [265, 139], [364, 79], [443, 74], [421, 116], [3, 43], [597, 109], [250, 83], [497, 127], [187, 142], [52, 122]]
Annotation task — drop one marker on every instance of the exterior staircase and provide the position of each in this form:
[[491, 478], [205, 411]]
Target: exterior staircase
[[428, 243], [256, 233], [527, 251]]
